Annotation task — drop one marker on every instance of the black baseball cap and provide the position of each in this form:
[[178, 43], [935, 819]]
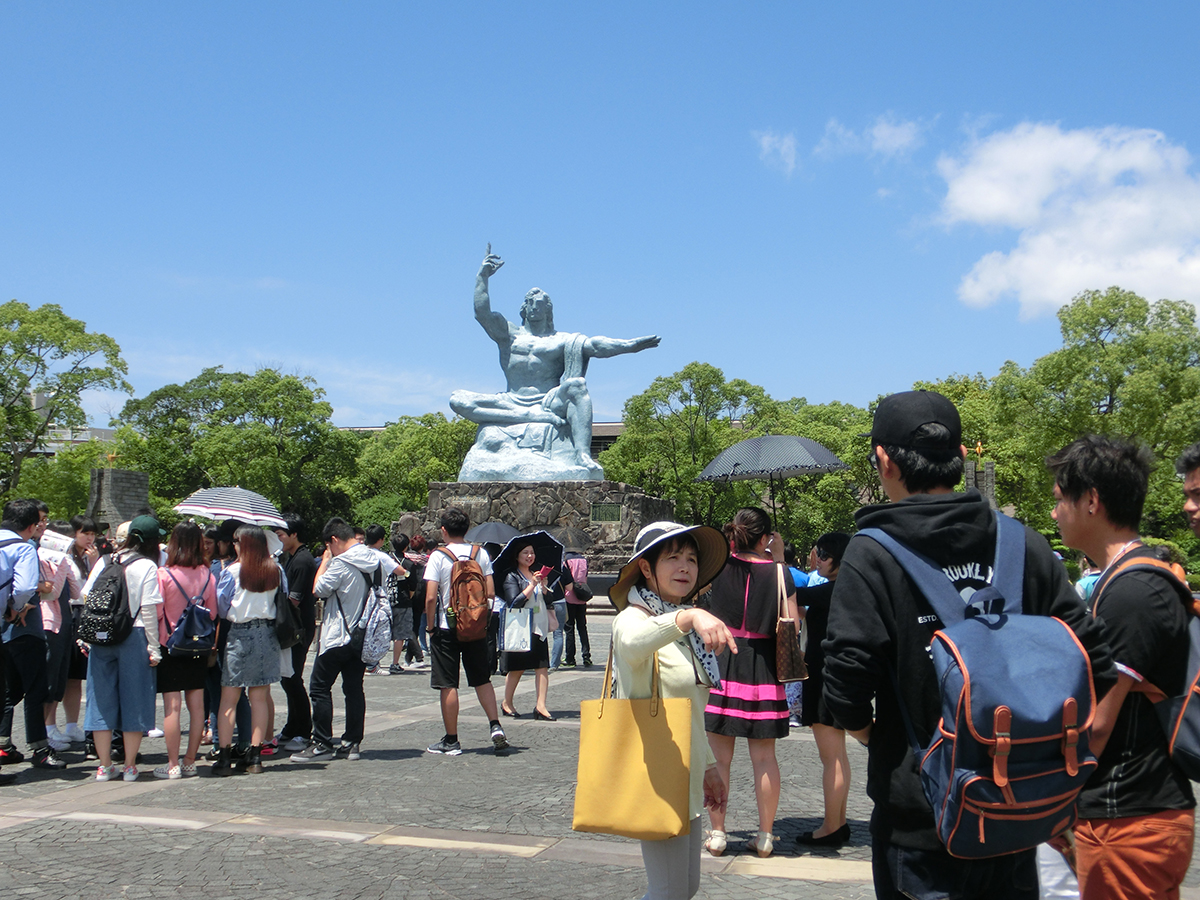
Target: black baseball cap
[[899, 417]]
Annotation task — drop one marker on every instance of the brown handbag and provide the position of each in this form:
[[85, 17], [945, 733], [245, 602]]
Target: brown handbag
[[789, 658]]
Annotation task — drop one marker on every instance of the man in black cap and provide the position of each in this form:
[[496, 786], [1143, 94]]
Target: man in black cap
[[880, 629]]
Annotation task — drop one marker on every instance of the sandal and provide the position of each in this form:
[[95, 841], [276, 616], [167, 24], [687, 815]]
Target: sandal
[[762, 844], [715, 844]]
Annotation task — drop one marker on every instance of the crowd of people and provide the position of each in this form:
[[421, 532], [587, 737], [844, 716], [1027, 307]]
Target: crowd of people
[[237, 575], [698, 611]]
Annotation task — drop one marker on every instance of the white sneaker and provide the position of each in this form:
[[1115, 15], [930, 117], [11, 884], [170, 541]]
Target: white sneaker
[[130, 773], [52, 733], [293, 745], [154, 732], [74, 733], [57, 741], [106, 773], [168, 771]]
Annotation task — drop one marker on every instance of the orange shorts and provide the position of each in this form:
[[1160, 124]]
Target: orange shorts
[[1134, 857]]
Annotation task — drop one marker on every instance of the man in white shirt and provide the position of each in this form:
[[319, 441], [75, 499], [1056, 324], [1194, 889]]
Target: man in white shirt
[[342, 581], [445, 650]]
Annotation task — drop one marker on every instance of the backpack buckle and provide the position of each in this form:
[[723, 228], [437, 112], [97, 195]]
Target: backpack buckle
[[1071, 736], [1002, 723]]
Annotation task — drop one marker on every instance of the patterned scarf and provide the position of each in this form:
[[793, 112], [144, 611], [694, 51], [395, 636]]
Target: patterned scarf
[[650, 601]]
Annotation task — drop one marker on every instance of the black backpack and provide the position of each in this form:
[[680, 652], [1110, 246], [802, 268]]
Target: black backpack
[[106, 619]]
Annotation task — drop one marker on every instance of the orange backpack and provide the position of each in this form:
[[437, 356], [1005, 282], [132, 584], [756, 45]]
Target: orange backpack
[[467, 607]]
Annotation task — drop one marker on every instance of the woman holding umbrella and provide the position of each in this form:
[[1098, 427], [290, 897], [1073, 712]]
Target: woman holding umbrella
[[528, 586]]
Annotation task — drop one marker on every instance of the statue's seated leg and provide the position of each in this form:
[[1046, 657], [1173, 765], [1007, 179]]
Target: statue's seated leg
[[500, 409], [575, 403]]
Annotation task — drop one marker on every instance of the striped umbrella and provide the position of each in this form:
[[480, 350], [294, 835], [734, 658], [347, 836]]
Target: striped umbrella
[[232, 503]]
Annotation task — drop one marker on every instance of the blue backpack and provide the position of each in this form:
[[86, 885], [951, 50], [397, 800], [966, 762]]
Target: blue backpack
[[194, 632], [1010, 752]]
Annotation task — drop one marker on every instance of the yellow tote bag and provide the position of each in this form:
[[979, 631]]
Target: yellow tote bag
[[634, 757]]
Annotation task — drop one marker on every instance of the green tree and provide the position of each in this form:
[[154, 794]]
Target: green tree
[[267, 432], [63, 481], [1126, 367], [45, 351], [676, 427], [396, 465], [808, 506]]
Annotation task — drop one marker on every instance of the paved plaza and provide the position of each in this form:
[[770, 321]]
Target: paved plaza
[[400, 823]]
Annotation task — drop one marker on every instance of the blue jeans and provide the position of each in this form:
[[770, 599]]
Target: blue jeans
[[556, 648]]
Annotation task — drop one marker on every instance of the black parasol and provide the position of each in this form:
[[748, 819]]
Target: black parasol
[[769, 457], [549, 553]]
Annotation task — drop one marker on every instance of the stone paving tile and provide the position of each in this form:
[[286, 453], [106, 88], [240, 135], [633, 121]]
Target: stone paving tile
[[106, 860]]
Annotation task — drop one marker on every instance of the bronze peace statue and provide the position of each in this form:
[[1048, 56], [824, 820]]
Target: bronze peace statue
[[540, 427]]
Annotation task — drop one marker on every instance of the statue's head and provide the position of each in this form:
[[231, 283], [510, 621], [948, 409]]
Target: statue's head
[[538, 307]]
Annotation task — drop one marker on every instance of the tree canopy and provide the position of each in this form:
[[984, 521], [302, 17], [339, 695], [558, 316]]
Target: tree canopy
[[395, 466], [43, 350], [267, 432], [1127, 367]]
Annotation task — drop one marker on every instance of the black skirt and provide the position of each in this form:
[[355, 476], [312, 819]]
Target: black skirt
[[750, 703], [815, 712], [537, 658], [181, 673]]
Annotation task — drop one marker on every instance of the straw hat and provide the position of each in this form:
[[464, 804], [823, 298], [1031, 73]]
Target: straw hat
[[714, 551]]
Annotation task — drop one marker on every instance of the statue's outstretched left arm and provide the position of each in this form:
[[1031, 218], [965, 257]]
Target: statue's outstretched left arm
[[605, 346]]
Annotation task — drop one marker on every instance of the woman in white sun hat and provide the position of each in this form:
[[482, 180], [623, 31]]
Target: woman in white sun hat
[[670, 564]]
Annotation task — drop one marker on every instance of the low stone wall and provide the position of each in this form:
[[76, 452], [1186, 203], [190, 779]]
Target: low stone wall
[[610, 512]]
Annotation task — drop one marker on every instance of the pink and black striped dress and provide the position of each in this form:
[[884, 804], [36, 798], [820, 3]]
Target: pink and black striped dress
[[750, 703]]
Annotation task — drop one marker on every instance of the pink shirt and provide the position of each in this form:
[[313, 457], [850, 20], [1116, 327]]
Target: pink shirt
[[174, 601]]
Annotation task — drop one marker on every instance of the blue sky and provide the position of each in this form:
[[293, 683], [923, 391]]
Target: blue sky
[[829, 200]]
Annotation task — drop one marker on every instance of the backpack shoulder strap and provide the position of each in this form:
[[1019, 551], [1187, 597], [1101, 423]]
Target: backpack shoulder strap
[[925, 573], [449, 553], [1144, 564], [474, 552], [1008, 572]]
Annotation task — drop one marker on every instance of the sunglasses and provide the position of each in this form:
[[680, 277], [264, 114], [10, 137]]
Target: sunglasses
[[873, 460], [822, 554]]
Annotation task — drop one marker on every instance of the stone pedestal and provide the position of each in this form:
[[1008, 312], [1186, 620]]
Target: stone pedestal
[[115, 496], [610, 512]]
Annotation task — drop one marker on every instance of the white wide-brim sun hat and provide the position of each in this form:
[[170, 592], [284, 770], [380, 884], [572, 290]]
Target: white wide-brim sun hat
[[714, 551]]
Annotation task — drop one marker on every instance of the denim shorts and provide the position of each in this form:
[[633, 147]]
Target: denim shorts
[[120, 686]]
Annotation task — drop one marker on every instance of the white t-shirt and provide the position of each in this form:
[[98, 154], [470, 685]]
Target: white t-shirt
[[387, 561], [439, 567]]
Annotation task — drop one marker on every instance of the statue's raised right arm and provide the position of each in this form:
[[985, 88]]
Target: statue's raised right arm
[[493, 323]]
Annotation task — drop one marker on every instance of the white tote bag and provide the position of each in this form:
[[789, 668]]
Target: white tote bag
[[517, 634]]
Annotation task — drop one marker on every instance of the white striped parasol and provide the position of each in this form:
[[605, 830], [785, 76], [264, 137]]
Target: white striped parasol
[[232, 503]]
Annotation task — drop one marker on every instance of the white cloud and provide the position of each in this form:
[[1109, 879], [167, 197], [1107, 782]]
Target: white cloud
[[838, 139], [887, 136], [1093, 208], [777, 149], [890, 137]]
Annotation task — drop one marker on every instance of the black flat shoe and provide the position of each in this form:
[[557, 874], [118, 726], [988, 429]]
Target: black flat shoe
[[544, 718], [512, 715], [833, 839]]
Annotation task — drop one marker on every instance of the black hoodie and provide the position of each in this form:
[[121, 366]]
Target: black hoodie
[[880, 624]]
